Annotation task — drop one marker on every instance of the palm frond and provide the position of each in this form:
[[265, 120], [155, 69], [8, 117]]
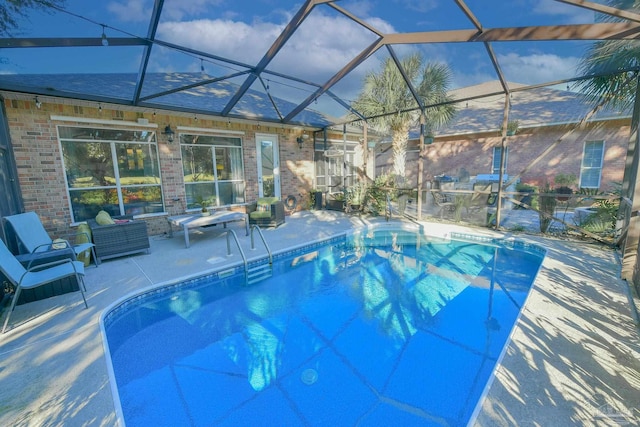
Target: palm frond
[[389, 103], [610, 61]]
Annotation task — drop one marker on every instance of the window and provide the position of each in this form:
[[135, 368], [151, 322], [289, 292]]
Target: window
[[495, 165], [591, 168], [213, 169], [330, 166], [111, 169]]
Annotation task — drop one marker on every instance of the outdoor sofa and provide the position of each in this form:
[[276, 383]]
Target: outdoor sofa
[[266, 212], [124, 237]]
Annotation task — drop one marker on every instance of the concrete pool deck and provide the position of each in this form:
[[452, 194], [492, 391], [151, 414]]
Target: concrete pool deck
[[574, 358]]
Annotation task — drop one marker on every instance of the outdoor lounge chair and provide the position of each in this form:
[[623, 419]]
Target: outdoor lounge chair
[[32, 237], [33, 277]]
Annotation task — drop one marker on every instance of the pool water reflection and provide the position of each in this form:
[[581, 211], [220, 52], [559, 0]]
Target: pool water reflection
[[378, 328]]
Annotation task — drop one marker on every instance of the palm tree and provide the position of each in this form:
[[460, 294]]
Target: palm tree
[[12, 11], [386, 98], [608, 60]]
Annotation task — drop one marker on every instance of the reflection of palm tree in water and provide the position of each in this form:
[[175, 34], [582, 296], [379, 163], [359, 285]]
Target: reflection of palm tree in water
[[385, 296], [406, 298], [403, 309]]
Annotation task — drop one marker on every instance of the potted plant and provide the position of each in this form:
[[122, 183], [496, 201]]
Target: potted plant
[[335, 202], [203, 203], [512, 127], [355, 196], [563, 184]]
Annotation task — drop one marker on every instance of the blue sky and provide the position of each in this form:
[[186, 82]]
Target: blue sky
[[243, 30]]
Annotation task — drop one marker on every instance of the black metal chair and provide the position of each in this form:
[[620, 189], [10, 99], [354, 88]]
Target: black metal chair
[[443, 202]]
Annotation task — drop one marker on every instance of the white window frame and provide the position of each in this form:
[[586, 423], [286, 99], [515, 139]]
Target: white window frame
[[495, 168], [583, 168], [190, 131], [118, 186], [339, 171]]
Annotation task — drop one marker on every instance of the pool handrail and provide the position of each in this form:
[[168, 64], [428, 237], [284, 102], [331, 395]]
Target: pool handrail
[[244, 258], [254, 227]]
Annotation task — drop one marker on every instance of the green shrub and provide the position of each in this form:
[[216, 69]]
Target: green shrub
[[607, 212], [525, 188], [565, 180], [376, 197], [356, 194], [547, 205], [589, 191]]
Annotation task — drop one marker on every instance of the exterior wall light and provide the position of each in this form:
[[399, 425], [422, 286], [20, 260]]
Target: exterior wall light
[[300, 140], [169, 132]]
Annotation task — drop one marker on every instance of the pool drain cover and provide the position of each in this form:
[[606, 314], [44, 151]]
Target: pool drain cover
[[309, 376]]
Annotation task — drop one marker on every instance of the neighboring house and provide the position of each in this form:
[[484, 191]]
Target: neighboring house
[[66, 159], [471, 143]]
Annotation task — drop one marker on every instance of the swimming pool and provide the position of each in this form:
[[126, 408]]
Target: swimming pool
[[381, 327]]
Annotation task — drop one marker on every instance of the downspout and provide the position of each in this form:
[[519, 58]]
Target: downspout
[[344, 159], [503, 155], [365, 151], [420, 165]]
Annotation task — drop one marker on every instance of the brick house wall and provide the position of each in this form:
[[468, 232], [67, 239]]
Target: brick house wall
[[41, 174], [475, 154]]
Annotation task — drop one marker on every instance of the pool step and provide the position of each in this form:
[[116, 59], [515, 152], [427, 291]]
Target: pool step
[[259, 273]]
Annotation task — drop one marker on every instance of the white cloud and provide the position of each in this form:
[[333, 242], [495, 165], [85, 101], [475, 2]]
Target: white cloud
[[131, 10], [237, 40], [464, 80], [537, 68], [569, 14], [318, 48], [325, 42], [359, 8], [421, 6], [323, 45], [140, 10]]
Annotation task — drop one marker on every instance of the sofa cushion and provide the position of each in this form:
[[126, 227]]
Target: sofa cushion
[[59, 244], [103, 218], [267, 200], [260, 214], [263, 205]]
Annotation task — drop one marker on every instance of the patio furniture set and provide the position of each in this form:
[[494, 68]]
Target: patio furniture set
[[40, 267], [265, 212]]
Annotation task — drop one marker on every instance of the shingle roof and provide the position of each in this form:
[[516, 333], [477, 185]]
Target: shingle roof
[[206, 99], [535, 107]]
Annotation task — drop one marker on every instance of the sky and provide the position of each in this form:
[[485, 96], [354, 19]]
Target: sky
[[243, 30]]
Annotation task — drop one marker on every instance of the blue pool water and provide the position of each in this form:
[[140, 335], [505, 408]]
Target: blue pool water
[[376, 329]]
